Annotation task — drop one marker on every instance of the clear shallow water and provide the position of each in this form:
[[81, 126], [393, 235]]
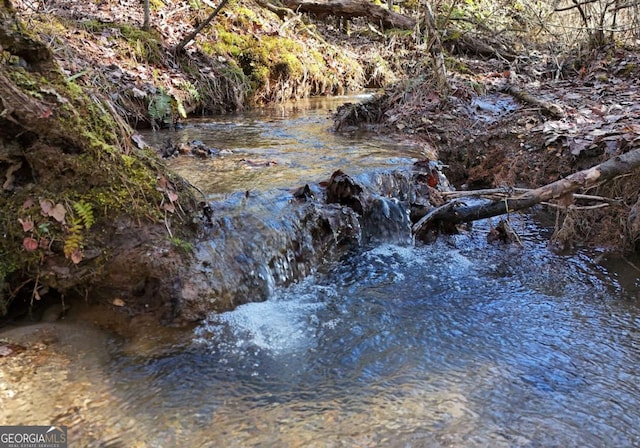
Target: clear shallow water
[[294, 137], [456, 344]]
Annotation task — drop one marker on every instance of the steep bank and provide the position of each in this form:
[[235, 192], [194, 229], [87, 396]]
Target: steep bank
[[248, 55], [91, 213], [83, 210]]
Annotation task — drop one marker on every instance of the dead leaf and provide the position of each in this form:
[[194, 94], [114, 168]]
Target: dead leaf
[[162, 184], [77, 256], [30, 244], [612, 146], [578, 145], [168, 206], [139, 141], [613, 118], [633, 128], [28, 203], [173, 197], [27, 224], [137, 93], [46, 206], [58, 212], [118, 302], [554, 138]]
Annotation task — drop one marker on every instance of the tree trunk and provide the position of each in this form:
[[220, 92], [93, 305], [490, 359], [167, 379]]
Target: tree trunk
[[435, 49], [453, 214], [146, 24], [352, 8]]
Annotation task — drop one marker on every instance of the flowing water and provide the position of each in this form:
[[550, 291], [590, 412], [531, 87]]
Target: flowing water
[[292, 139], [459, 343]]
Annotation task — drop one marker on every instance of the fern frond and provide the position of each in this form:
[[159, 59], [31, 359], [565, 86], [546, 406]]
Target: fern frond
[[85, 212], [159, 108], [73, 240]]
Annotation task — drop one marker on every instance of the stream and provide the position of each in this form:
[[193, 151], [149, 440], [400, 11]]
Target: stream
[[459, 343]]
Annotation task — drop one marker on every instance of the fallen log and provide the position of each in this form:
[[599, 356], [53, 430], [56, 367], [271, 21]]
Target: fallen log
[[560, 189], [548, 108], [350, 9]]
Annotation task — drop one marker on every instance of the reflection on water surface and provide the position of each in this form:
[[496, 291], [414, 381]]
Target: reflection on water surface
[[293, 139], [459, 343]]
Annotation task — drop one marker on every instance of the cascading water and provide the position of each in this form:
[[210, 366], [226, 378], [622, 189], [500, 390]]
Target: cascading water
[[379, 342], [257, 242]]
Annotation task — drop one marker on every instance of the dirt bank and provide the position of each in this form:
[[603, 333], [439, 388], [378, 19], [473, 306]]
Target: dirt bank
[[520, 129], [91, 214]]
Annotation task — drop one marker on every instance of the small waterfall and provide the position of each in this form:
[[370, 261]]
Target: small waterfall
[[258, 241], [387, 221]]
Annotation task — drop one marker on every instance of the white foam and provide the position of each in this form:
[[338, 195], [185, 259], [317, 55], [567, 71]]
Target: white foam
[[292, 320], [284, 324]]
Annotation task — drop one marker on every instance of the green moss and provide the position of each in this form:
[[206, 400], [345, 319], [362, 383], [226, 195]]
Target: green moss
[[182, 245], [156, 5], [131, 41], [25, 80], [628, 69], [271, 57], [79, 159], [245, 16], [274, 66]]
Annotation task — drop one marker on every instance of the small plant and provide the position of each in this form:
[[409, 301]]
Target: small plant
[[159, 108], [181, 244], [85, 212], [74, 240], [163, 108]]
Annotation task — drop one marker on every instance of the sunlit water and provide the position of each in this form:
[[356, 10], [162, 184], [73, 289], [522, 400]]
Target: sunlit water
[[456, 344], [284, 146]]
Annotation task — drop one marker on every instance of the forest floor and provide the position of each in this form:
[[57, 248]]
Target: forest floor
[[491, 138]]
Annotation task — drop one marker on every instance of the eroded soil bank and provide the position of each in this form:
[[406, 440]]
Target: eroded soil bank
[[91, 214], [525, 128]]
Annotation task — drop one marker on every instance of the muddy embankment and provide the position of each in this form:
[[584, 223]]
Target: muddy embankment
[[90, 214]]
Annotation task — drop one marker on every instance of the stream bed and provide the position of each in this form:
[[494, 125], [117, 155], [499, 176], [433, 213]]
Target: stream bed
[[459, 343]]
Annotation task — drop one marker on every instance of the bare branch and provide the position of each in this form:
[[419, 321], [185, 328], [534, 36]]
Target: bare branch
[[180, 47], [575, 5], [622, 164]]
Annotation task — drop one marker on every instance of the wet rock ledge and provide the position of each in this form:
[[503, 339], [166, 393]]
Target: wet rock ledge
[[253, 243]]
